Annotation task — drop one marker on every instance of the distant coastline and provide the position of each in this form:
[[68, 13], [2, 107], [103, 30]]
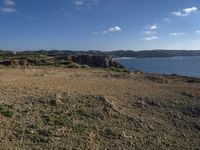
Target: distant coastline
[[114, 54], [171, 57], [180, 65], [125, 58]]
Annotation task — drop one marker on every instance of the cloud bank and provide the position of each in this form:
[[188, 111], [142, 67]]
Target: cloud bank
[[177, 33], [8, 6], [185, 12], [110, 30], [84, 3], [150, 32], [9, 3], [151, 38]]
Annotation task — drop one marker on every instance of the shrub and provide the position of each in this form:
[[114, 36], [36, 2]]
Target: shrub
[[110, 133], [38, 137], [6, 111], [73, 65], [56, 120], [80, 128], [115, 69], [85, 66], [83, 112]]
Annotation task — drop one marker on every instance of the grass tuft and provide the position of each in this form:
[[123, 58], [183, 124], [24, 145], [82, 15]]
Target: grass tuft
[[80, 128], [115, 69], [83, 112], [56, 120], [6, 111]]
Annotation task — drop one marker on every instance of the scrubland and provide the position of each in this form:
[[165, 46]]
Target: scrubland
[[87, 108]]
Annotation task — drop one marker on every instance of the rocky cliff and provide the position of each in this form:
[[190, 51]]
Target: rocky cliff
[[96, 61], [90, 60], [15, 62]]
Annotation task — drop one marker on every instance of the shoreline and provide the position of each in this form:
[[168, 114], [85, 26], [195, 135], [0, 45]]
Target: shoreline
[[182, 66]]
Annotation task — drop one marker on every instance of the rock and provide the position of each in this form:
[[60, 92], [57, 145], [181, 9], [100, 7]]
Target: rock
[[56, 99], [192, 111], [89, 60], [125, 135], [197, 126], [15, 62], [95, 61], [187, 94], [147, 103]]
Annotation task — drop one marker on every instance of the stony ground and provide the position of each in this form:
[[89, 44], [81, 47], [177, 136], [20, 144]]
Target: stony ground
[[59, 108]]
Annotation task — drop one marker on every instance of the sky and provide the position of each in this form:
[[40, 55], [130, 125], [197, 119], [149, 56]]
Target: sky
[[99, 24]]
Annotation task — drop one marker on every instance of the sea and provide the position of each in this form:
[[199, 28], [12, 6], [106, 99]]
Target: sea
[[184, 65]]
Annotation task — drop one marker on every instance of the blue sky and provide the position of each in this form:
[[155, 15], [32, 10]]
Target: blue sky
[[99, 24]]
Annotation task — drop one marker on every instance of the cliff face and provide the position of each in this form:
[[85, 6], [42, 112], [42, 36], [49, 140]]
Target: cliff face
[[96, 61], [90, 60]]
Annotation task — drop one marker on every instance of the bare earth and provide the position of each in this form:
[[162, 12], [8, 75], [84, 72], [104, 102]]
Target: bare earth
[[59, 108]]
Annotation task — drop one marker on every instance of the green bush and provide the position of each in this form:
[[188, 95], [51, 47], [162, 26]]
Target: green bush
[[115, 69], [56, 120], [83, 112], [110, 133], [80, 128], [73, 65], [85, 66], [6, 111], [37, 137]]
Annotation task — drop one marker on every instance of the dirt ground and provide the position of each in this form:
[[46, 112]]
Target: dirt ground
[[59, 108]]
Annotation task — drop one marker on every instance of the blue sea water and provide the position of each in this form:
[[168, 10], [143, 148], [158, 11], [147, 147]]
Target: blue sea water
[[187, 66]]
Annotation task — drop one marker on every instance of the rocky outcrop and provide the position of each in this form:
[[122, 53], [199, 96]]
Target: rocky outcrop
[[15, 62], [90, 60], [96, 61]]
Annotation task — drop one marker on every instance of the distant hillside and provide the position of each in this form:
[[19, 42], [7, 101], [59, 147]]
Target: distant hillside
[[115, 54], [155, 53]]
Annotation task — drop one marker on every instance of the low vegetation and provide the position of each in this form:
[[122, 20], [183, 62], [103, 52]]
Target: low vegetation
[[6, 110], [83, 112], [56, 120], [69, 108], [57, 60], [114, 69]]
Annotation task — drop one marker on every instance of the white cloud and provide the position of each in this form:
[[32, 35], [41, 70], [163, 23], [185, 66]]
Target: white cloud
[[151, 38], [114, 29], [9, 3], [197, 32], [78, 2], [8, 6], [177, 34], [8, 10], [185, 12], [190, 10], [82, 3], [110, 30], [149, 32], [152, 27]]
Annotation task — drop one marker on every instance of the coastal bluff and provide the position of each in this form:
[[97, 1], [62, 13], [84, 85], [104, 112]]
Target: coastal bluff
[[100, 61], [96, 61]]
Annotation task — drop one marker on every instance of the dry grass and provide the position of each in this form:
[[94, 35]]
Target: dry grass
[[60, 108]]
